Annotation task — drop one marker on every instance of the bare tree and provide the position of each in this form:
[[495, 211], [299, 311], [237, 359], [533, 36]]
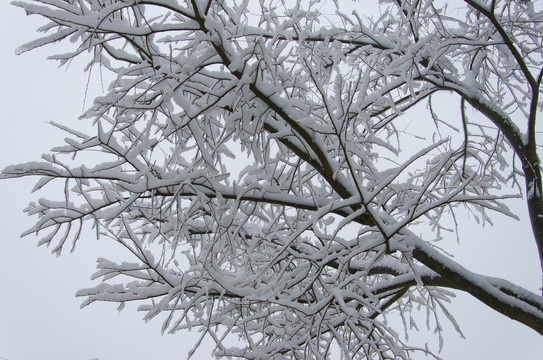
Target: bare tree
[[255, 162]]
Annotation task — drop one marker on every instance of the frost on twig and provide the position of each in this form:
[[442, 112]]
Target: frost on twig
[[256, 163]]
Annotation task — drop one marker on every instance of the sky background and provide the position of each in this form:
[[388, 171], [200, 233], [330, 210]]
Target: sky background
[[40, 317]]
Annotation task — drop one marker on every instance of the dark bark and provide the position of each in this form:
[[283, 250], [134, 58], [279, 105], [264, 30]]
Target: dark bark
[[516, 310]]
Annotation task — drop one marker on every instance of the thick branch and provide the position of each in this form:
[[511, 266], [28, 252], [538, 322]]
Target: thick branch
[[479, 288]]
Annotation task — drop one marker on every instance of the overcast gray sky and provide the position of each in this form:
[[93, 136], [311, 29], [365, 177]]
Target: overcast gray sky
[[39, 314]]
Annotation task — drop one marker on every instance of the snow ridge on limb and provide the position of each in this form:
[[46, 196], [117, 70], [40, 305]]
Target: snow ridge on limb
[[312, 243]]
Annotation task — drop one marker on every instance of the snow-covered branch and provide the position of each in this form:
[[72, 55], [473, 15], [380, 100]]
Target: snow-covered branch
[[267, 168]]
